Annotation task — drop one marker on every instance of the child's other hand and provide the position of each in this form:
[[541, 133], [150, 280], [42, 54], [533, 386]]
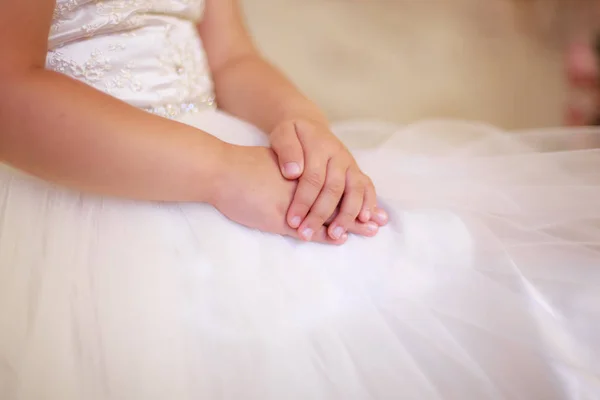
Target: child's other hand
[[328, 177], [252, 192]]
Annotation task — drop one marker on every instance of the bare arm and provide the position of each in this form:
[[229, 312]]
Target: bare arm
[[246, 84], [66, 132], [249, 87]]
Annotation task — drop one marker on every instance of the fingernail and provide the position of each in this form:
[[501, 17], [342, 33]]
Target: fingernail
[[344, 237], [372, 227], [307, 233], [295, 222], [382, 215], [291, 169], [338, 232]]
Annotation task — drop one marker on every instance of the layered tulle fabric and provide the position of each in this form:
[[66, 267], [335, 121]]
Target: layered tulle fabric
[[485, 285]]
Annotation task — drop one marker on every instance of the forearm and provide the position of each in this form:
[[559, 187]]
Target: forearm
[[66, 132], [252, 89]]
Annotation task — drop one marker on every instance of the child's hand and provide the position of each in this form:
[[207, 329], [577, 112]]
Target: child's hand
[[329, 177], [253, 193]]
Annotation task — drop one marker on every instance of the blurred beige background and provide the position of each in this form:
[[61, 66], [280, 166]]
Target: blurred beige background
[[406, 60]]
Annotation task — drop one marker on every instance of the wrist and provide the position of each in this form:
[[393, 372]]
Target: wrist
[[209, 179], [224, 172]]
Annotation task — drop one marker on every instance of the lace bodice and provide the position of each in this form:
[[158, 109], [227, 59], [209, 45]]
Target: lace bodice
[[145, 52]]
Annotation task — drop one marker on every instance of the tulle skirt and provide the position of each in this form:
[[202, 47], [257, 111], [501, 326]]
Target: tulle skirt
[[485, 284]]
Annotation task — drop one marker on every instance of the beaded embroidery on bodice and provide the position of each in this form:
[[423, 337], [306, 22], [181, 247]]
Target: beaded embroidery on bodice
[[144, 52]]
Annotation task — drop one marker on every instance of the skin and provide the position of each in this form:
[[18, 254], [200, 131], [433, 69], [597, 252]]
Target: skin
[[68, 133], [249, 87]]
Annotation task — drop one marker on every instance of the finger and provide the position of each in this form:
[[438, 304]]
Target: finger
[[369, 203], [368, 229], [327, 200], [309, 186], [287, 146], [323, 237], [320, 236], [380, 216], [351, 206]]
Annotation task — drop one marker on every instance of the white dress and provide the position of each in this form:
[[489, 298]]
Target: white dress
[[485, 285]]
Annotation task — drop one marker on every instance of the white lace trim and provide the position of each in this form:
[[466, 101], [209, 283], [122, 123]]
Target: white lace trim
[[173, 111]]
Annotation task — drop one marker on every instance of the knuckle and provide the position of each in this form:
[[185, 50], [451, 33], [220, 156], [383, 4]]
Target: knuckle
[[314, 178], [369, 186], [304, 197], [356, 185], [353, 206], [301, 202], [336, 148], [362, 177], [319, 216], [346, 216], [300, 207], [335, 188]]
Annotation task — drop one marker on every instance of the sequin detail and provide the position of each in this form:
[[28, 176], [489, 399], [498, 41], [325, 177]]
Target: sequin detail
[[174, 111], [144, 52], [97, 70], [111, 13], [62, 11]]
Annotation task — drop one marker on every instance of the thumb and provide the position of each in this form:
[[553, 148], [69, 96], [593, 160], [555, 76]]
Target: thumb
[[287, 146]]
